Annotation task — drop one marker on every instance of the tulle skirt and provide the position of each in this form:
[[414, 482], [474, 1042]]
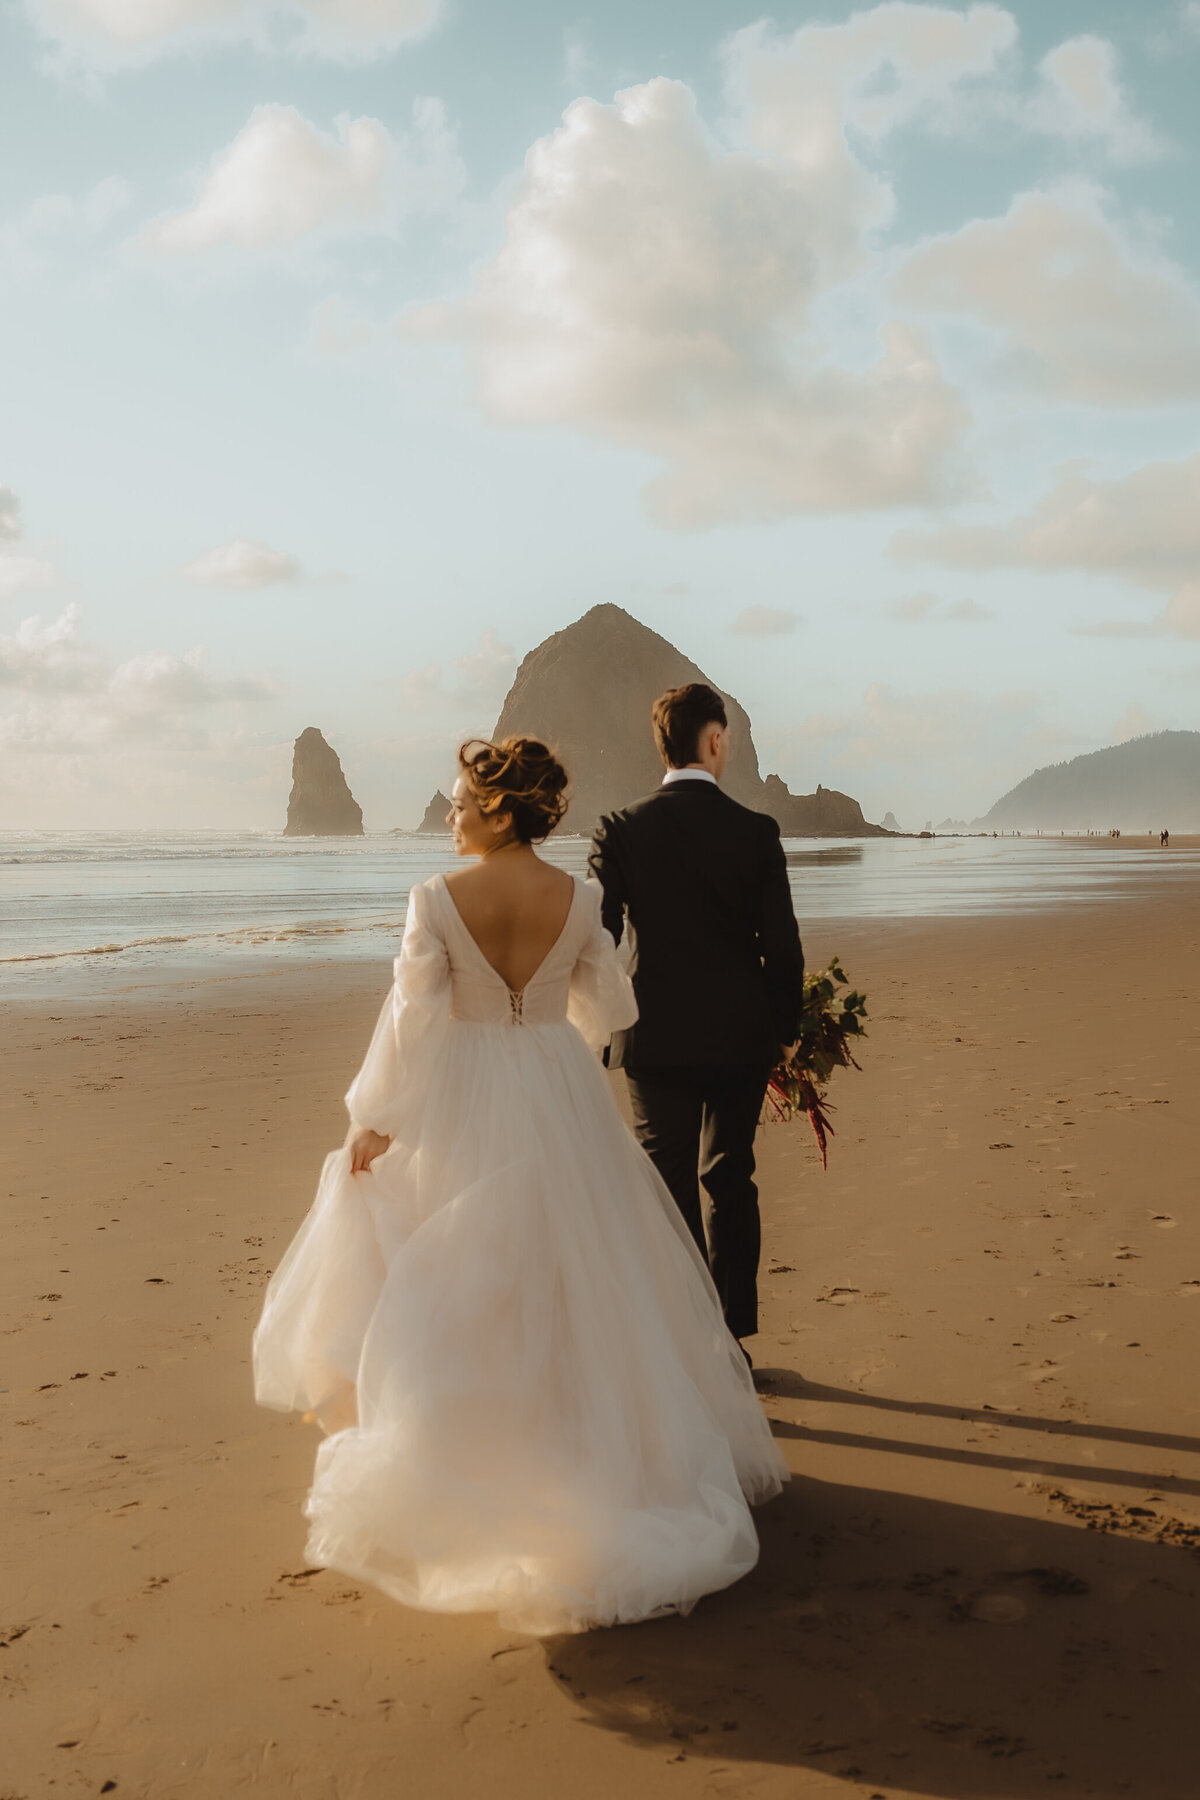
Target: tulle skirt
[[533, 1403]]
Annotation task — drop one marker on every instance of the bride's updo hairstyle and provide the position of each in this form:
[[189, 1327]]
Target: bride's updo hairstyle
[[518, 776]]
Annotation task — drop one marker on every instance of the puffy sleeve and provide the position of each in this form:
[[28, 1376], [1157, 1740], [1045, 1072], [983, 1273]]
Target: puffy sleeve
[[388, 1094], [601, 998]]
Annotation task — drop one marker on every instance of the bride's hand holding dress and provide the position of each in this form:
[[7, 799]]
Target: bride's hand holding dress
[[363, 1145]]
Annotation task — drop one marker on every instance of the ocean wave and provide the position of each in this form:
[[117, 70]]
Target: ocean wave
[[427, 849], [255, 935], [96, 949], [51, 848]]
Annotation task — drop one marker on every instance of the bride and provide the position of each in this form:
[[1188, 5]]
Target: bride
[[494, 1308]]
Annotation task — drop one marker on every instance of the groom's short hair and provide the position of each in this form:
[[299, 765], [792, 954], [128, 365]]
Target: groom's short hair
[[680, 715]]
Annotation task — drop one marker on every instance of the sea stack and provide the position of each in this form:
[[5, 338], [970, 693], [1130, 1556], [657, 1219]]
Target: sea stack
[[320, 803], [587, 691], [435, 814]]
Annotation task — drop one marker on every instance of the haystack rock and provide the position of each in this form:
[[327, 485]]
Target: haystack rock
[[588, 691], [320, 803]]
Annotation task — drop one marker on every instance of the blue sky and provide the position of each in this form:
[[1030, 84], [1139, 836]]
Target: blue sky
[[355, 345]]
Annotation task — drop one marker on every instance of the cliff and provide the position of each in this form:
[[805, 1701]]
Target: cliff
[[588, 690], [1142, 785], [320, 803]]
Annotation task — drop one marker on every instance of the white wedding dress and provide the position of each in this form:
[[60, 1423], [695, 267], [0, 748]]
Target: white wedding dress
[[552, 1421]]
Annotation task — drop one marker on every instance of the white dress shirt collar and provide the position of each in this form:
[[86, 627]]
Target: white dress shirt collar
[[673, 775]]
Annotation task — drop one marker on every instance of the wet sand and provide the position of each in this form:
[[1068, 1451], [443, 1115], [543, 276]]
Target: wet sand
[[982, 1323]]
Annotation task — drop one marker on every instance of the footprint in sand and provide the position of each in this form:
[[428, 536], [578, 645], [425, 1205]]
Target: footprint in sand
[[999, 1609]]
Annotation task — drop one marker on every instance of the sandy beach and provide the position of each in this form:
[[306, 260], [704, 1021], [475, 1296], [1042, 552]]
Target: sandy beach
[[982, 1324]]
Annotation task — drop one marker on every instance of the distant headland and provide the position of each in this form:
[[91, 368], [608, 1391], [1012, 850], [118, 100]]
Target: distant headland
[[1142, 785]]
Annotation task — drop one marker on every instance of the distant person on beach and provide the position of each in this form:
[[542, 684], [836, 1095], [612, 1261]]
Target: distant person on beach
[[719, 976], [494, 1307], [1164, 838]]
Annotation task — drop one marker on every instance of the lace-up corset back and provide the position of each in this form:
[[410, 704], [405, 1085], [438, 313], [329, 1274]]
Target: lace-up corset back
[[479, 994]]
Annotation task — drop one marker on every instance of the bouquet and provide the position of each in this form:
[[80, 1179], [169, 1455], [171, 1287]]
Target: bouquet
[[829, 1023]]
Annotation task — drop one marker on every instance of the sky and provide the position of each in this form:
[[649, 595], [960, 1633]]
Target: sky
[[351, 347]]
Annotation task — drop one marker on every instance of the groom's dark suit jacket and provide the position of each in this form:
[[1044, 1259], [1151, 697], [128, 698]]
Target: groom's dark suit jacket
[[717, 964]]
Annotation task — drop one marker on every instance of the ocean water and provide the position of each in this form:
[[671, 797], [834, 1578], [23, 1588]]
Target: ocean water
[[95, 912]]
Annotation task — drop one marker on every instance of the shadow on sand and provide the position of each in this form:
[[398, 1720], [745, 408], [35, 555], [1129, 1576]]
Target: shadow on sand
[[914, 1643]]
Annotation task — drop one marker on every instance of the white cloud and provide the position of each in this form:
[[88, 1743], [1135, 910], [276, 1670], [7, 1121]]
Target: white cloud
[[927, 607], [912, 607], [110, 34], [814, 97], [764, 621], [243, 563], [1080, 98], [802, 98], [657, 285], [479, 677], [10, 513], [577, 57], [62, 695], [1081, 314], [155, 682], [279, 180], [49, 658], [356, 30], [20, 573], [19, 569], [282, 179], [653, 289], [1144, 527], [1180, 618]]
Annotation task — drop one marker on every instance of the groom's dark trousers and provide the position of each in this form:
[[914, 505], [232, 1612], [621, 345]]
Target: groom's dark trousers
[[719, 976]]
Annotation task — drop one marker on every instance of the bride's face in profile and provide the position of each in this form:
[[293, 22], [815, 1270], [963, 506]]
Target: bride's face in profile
[[475, 833]]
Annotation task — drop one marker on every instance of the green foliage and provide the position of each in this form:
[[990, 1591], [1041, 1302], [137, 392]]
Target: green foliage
[[829, 1025]]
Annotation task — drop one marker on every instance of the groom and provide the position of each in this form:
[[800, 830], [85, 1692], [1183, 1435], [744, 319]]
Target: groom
[[719, 976]]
